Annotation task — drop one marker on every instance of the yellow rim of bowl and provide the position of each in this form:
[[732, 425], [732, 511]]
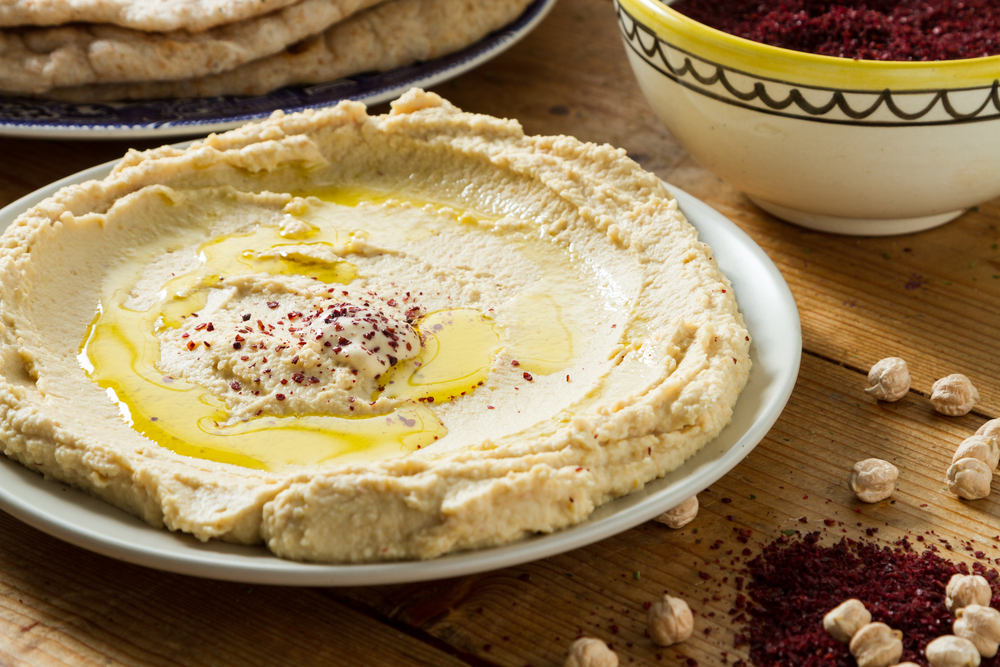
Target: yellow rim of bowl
[[772, 62]]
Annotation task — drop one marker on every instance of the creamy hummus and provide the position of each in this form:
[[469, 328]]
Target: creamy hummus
[[359, 338]]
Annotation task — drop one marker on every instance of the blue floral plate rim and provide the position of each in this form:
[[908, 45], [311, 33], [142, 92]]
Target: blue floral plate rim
[[44, 119]]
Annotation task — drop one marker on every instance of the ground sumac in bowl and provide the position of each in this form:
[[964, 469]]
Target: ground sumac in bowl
[[792, 585], [910, 30]]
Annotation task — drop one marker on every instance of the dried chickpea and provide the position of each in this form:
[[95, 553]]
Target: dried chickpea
[[682, 515], [952, 651], [990, 430], [845, 619], [877, 645], [969, 479], [873, 480], [590, 652], [670, 621], [966, 589], [979, 447], [981, 626], [889, 379], [954, 395]]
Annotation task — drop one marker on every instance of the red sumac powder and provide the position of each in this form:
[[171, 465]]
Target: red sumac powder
[[792, 586], [873, 30]]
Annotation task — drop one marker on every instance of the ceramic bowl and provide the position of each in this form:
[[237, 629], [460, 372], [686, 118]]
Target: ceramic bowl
[[838, 145]]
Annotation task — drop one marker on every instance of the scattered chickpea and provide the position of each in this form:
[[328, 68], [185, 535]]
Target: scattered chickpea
[[670, 621], [981, 626], [953, 395], [990, 429], [979, 447], [969, 479], [682, 515], [967, 589], [952, 651], [845, 619], [590, 652], [873, 480], [889, 379], [877, 645]]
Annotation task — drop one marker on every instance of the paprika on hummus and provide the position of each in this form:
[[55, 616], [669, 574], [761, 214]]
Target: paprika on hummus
[[359, 338]]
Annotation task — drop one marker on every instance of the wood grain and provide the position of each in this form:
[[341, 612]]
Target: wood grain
[[798, 472], [932, 298], [61, 605]]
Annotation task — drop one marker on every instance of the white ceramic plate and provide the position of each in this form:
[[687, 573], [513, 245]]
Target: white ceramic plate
[[771, 317], [44, 119]]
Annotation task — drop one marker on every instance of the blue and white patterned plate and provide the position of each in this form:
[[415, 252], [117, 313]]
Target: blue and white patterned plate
[[42, 119]]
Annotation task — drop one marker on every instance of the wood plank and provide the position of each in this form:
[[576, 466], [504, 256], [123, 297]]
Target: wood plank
[[932, 301], [61, 605], [531, 613]]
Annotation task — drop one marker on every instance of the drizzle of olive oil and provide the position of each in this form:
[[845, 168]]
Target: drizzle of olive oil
[[459, 348], [543, 344], [122, 350]]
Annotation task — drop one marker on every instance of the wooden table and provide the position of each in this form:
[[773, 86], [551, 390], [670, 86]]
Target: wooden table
[[932, 298]]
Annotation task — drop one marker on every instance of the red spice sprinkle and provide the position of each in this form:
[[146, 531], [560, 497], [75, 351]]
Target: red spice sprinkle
[[199, 327], [272, 304], [527, 376], [280, 397], [902, 30], [515, 362], [191, 344], [210, 327], [793, 586]]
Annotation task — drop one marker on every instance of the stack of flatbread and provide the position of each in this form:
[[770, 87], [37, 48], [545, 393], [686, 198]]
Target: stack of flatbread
[[102, 50]]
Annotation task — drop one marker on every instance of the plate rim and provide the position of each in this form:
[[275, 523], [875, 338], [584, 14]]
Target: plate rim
[[452, 65], [254, 565]]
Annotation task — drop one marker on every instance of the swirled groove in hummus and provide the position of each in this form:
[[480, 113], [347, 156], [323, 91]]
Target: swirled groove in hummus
[[359, 338]]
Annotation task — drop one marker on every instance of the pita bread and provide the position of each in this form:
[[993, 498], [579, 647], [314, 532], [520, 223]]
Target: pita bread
[[393, 34], [34, 60], [152, 15]]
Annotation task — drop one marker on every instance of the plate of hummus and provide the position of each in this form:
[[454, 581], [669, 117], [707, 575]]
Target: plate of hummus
[[341, 349]]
